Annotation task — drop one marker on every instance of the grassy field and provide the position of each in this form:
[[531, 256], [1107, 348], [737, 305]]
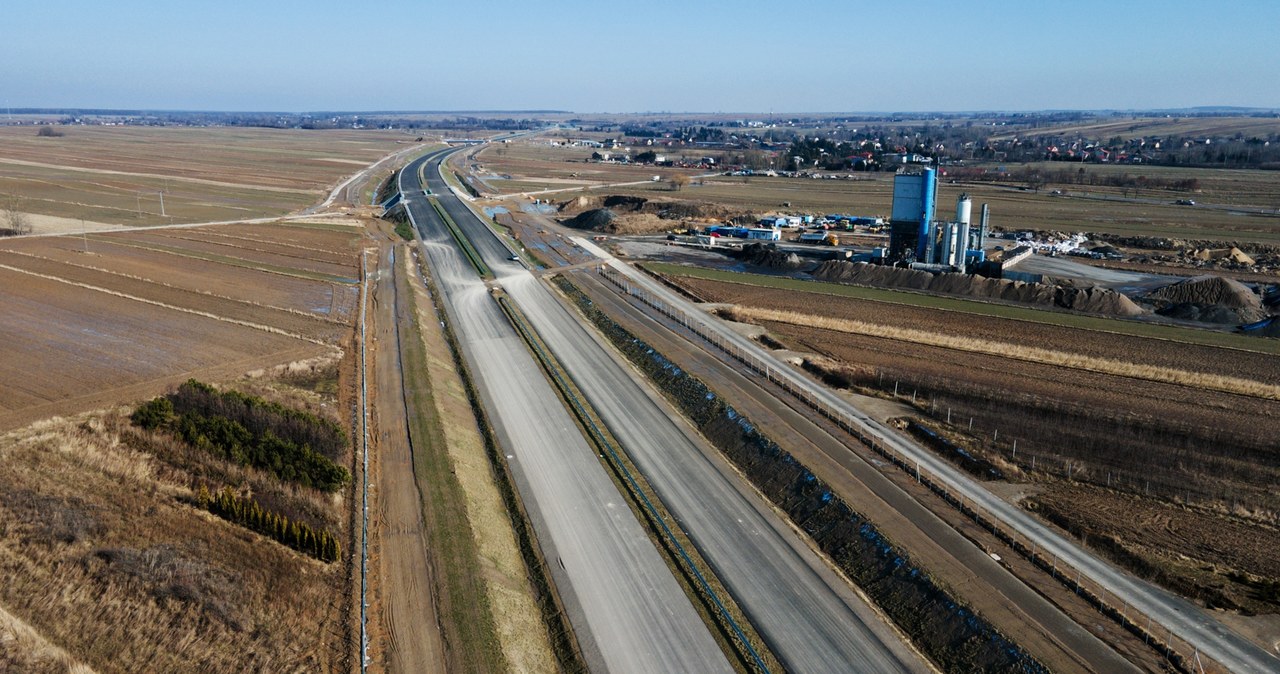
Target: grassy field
[[534, 165], [1063, 319], [1137, 127], [116, 174]]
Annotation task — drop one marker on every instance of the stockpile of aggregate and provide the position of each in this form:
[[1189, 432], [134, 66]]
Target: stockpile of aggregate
[[1089, 300], [768, 255], [1208, 299]]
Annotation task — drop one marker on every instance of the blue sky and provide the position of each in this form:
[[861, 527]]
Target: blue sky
[[695, 55]]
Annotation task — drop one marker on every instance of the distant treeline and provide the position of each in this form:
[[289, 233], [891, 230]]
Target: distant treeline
[[289, 120], [292, 445]]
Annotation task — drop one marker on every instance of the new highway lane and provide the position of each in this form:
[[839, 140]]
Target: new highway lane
[[810, 617], [627, 610], [1176, 615]]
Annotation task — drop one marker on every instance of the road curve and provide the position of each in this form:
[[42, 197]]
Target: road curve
[[627, 610], [811, 619]]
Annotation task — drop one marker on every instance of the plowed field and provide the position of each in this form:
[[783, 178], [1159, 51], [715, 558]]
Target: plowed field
[[142, 310]]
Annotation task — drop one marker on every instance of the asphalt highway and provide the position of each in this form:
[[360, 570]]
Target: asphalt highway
[[810, 617], [628, 612], [1168, 612]]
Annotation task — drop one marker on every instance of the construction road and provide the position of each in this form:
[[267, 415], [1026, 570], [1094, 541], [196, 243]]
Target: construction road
[[810, 617], [403, 566]]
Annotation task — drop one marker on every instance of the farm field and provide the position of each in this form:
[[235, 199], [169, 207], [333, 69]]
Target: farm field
[[1233, 205], [1137, 127], [980, 310], [535, 166], [115, 175], [1171, 445], [129, 317]]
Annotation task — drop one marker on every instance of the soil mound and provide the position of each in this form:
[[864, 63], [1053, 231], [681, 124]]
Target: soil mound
[[1090, 300], [1232, 254], [643, 215], [1209, 299], [596, 219], [768, 255]]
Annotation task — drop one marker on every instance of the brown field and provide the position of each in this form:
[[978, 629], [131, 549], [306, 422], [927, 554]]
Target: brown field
[[142, 310], [272, 289], [114, 174], [533, 165], [1183, 547], [259, 255], [1138, 127]]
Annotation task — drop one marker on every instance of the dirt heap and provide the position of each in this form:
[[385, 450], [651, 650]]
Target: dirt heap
[[1232, 254], [1090, 300], [641, 215], [1209, 299], [768, 255], [596, 219]]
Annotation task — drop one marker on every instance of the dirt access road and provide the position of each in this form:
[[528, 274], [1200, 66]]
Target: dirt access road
[[405, 636]]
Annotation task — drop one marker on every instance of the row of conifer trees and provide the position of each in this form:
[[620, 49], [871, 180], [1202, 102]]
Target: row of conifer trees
[[250, 514]]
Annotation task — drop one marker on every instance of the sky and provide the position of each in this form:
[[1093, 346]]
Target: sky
[[657, 56]]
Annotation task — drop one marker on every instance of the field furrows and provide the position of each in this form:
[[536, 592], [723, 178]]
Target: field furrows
[[251, 255], [307, 325], [308, 252], [298, 234], [199, 275], [1080, 414], [1228, 362], [251, 157], [1198, 535], [60, 342]]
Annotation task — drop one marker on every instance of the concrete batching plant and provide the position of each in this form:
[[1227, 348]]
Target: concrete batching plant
[[916, 238]]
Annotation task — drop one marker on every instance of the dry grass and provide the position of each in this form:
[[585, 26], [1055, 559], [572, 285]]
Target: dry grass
[[516, 616], [1153, 373], [22, 649], [104, 555]]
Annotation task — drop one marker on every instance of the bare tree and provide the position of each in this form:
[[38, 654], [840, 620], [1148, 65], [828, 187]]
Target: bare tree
[[13, 220], [678, 181]]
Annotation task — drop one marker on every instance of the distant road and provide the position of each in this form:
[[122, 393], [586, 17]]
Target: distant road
[[812, 620], [627, 610]]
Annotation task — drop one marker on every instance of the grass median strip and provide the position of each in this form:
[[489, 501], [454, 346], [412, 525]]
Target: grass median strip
[[739, 639]]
